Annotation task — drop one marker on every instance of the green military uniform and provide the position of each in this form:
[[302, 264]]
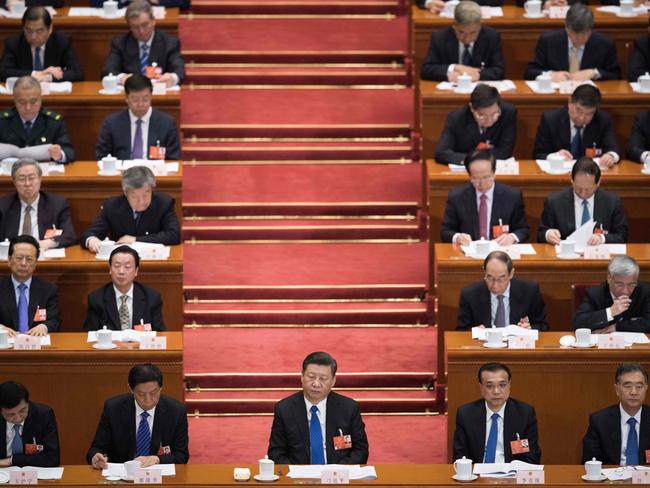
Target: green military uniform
[[48, 128]]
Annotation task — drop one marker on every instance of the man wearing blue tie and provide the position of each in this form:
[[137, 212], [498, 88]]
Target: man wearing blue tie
[[620, 434], [316, 425], [143, 425], [28, 305], [497, 428]]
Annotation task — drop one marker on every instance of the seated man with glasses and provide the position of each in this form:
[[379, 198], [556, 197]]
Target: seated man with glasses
[[501, 299], [483, 209], [621, 303], [30, 305], [620, 434], [486, 123], [496, 428]]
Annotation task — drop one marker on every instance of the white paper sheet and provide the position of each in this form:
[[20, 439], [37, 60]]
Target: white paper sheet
[[43, 473], [128, 335], [148, 251], [313, 471], [45, 341], [580, 236], [512, 330], [615, 9], [636, 88], [470, 251], [60, 87], [501, 86], [56, 253], [499, 470], [633, 337], [508, 166], [158, 12], [618, 474], [117, 469], [545, 166]]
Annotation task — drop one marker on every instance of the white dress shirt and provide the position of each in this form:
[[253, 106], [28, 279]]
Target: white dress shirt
[[138, 412], [10, 435], [490, 198], [322, 415], [145, 130], [500, 453], [494, 301], [129, 301], [27, 283], [34, 216], [625, 429]]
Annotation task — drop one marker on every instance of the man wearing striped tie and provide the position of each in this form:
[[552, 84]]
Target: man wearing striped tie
[[316, 425], [143, 425]]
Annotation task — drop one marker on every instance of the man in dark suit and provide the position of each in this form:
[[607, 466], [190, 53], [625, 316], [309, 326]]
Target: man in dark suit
[[486, 429], [139, 306], [436, 6], [483, 209], [27, 124], [160, 436], [144, 49], [31, 436], [119, 133], [486, 123], [568, 209], [640, 59], [620, 434], [575, 53], [579, 129], [28, 305], [466, 47], [40, 52], [317, 415], [44, 216], [638, 147], [622, 303], [501, 299], [139, 215]]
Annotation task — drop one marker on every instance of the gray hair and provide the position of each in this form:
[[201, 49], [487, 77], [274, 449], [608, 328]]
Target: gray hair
[[136, 177], [622, 266], [21, 163], [27, 82], [467, 12], [579, 18], [138, 7]]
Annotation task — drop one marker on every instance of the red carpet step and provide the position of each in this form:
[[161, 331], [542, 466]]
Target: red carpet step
[[393, 439], [270, 7]]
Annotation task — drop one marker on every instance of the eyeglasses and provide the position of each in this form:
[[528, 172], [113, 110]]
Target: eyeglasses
[[24, 179], [500, 279]]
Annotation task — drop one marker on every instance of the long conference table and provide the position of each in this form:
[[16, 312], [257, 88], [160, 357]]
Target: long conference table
[[85, 109], [619, 100], [75, 380], [519, 35], [452, 271], [565, 385]]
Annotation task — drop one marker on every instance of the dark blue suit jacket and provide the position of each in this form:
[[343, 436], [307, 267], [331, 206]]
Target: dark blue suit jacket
[[40, 425], [115, 135], [592, 314], [41, 294], [640, 138], [640, 59]]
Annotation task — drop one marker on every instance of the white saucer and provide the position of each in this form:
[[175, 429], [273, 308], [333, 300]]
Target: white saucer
[[106, 92], [602, 477], [581, 346], [97, 346], [570, 256], [101, 172], [465, 480], [495, 346], [112, 478], [111, 17], [626, 16], [645, 171], [266, 480], [8, 346], [538, 16]]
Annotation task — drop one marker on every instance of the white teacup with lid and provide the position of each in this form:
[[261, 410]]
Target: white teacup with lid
[[583, 338], [627, 8], [104, 338], [267, 468], [4, 339], [644, 82], [464, 82], [110, 8], [533, 8], [567, 248], [109, 164], [593, 469], [110, 83], [463, 468], [544, 82], [555, 161]]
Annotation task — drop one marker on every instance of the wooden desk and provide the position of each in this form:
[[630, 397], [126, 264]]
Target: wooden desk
[[452, 271], [75, 380], [85, 109], [625, 179], [519, 35], [79, 273], [618, 100], [564, 385], [91, 36]]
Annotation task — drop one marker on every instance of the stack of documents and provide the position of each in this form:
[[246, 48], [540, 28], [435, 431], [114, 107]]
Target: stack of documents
[[117, 469], [314, 471], [480, 333], [128, 335], [503, 470], [43, 473]]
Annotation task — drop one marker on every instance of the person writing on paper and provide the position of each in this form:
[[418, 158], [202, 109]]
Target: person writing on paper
[[501, 299], [317, 425], [570, 208], [622, 303], [466, 47], [145, 49], [28, 124], [45, 216], [485, 123], [139, 131], [30, 305], [483, 209], [39, 51], [497, 428], [124, 303], [31, 435], [579, 129], [143, 424], [576, 52], [620, 434], [141, 214]]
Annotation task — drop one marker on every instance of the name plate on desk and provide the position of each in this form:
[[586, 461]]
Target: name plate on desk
[[27, 342], [611, 342], [530, 477], [23, 476], [335, 477], [641, 477], [148, 477], [597, 252], [521, 342], [153, 342]]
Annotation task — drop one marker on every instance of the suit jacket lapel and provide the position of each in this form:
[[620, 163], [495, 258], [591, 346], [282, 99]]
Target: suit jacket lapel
[[18, 128], [300, 418], [111, 306], [3, 445], [485, 307], [644, 434], [508, 430], [452, 47], [564, 52], [34, 298], [599, 208], [331, 426], [479, 429], [153, 137], [515, 302], [43, 215], [13, 217], [156, 50], [126, 213], [9, 296], [132, 49], [124, 131], [159, 426], [139, 304], [614, 428], [51, 53], [469, 196], [128, 421], [568, 209]]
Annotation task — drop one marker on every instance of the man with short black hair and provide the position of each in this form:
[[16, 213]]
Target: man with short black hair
[[31, 438], [142, 424], [620, 434], [486, 429], [501, 299], [578, 129], [316, 425], [570, 208], [28, 305], [575, 52], [485, 123]]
